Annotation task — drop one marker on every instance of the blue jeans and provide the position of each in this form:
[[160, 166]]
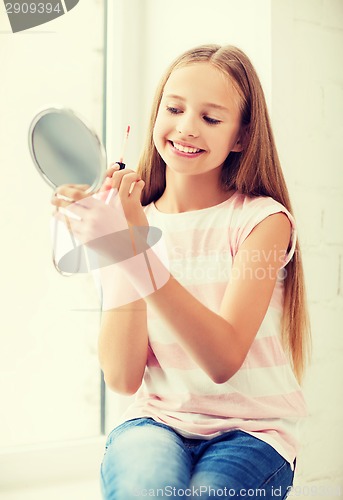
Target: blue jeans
[[146, 459]]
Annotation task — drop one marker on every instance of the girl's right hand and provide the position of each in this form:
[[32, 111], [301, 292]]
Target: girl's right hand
[[69, 193], [110, 212]]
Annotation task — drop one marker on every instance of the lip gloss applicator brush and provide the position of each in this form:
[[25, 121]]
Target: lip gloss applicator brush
[[121, 159], [120, 162]]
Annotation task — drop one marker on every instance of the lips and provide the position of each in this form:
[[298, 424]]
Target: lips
[[185, 148]]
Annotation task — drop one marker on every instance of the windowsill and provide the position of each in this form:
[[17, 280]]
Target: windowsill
[[32, 466]]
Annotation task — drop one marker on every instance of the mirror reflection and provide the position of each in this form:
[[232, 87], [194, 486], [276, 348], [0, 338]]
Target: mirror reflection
[[65, 150]]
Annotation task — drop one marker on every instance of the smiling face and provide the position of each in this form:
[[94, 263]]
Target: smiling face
[[198, 122]]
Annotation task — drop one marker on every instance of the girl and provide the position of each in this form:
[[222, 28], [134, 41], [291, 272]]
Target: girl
[[214, 351]]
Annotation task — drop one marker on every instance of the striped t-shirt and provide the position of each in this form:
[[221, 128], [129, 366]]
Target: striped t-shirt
[[263, 398]]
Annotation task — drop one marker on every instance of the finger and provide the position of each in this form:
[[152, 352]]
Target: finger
[[60, 196], [114, 164], [136, 193], [82, 187], [60, 201], [126, 183], [107, 182], [66, 194], [111, 169], [117, 178], [110, 197]]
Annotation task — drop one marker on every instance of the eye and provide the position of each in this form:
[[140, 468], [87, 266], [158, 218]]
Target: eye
[[173, 111], [211, 121]]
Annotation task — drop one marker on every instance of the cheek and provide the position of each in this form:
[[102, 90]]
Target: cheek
[[158, 128], [161, 130], [157, 136], [228, 140], [222, 145], [154, 135]]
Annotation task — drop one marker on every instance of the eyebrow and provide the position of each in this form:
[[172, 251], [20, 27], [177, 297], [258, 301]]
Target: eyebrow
[[206, 104]]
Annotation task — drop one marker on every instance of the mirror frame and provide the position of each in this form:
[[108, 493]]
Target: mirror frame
[[62, 110]]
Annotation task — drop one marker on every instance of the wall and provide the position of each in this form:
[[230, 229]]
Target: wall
[[295, 46], [149, 34], [307, 43], [49, 372]]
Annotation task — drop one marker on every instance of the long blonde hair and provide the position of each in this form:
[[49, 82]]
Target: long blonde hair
[[255, 171]]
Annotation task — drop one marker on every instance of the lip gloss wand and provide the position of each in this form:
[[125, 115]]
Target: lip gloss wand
[[121, 159], [120, 162]]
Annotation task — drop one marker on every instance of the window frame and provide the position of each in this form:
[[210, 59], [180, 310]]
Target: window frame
[[69, 460]]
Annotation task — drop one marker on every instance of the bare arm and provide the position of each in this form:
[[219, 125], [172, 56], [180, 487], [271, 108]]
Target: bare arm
[[220, 342], [123, 339], [123, 346]]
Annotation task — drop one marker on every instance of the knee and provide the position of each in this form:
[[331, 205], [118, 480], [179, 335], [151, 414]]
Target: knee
[[142, 460]]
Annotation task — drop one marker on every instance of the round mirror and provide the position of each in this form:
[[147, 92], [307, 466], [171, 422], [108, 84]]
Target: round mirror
[[65, 150]]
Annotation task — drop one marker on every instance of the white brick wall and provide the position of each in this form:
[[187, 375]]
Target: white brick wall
[[307, 114]]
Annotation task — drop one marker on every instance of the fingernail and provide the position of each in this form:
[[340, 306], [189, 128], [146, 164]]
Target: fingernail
[[62, 197]]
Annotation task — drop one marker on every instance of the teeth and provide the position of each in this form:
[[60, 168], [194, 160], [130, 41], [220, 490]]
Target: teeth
[[185, 149]]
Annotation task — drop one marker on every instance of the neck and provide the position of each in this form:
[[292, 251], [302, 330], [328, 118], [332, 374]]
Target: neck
[[186, 193]]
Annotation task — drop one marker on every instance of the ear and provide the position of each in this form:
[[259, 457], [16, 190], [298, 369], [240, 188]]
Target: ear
[[242, 140], [238, 147]]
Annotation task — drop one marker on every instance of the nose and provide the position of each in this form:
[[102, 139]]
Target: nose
[[187, 125]]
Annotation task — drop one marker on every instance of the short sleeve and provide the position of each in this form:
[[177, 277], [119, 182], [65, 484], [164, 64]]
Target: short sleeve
[[253, 211]]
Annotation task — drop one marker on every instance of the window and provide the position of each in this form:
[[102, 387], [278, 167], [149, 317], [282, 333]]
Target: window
[[50, 378]]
